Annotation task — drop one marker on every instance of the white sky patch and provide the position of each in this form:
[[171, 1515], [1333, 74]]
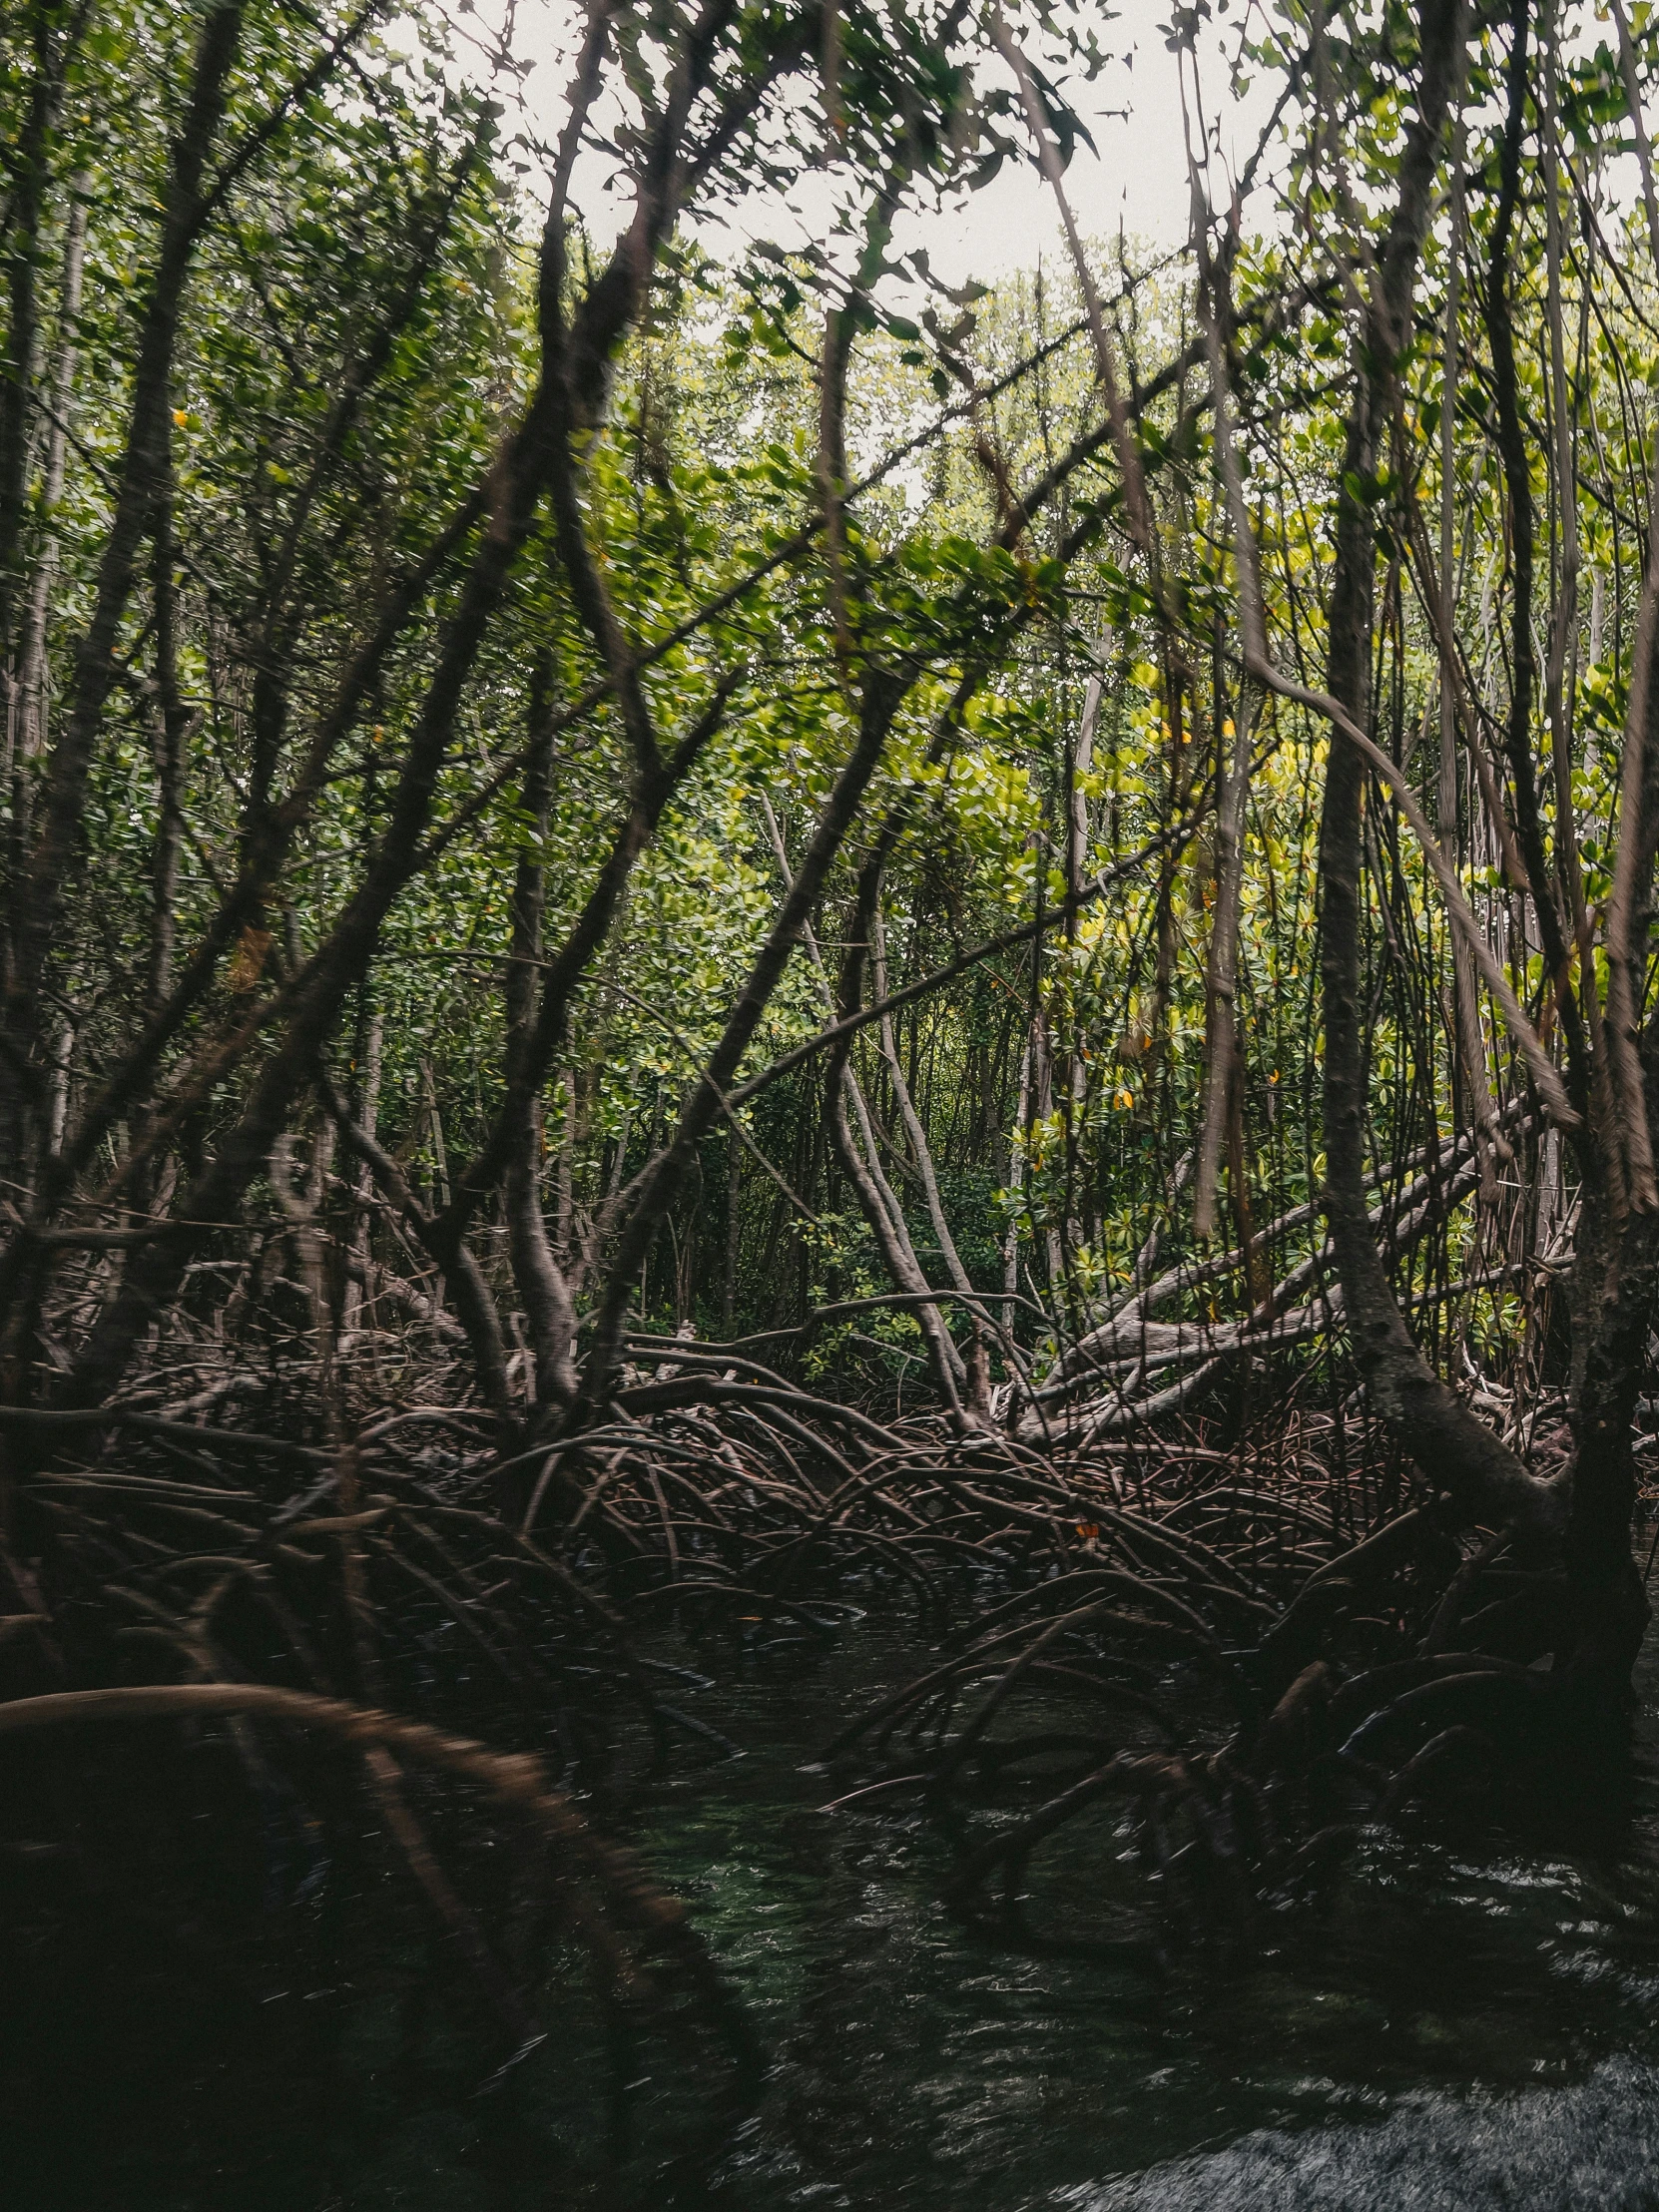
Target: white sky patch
[[1134, 182]]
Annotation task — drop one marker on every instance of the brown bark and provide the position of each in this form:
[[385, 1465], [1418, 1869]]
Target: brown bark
[[1455, 1449], [38, 895], [575, 361], [549, 1313]]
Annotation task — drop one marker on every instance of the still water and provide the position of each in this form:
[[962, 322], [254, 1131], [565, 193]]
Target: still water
[[1471, 2021], [1474, 2020]]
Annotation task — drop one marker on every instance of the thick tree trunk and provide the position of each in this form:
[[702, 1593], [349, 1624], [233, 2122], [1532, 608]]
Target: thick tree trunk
[[1456, 1452], [1615, 1277]]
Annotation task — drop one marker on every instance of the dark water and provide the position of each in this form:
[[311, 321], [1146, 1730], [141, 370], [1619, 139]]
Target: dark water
[[1471, 2021], [1474, 2022]]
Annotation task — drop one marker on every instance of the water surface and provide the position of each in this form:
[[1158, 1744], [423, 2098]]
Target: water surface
[[1469, 2020], [1473, 2018]]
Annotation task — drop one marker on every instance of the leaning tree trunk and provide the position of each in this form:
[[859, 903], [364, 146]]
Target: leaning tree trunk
[[1595, 1632], [1455, 1450]]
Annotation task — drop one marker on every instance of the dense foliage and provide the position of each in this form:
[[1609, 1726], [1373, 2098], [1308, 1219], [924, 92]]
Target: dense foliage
[[302, 777], [684, 917], [481, 699]]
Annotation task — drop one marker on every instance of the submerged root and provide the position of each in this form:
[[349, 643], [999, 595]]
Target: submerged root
[[1235, 1677]]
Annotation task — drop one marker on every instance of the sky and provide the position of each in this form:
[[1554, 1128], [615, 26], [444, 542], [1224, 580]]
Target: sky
[[1137, 180]]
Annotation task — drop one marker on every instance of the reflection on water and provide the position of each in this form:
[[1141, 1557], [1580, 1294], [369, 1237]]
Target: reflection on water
[[1471, 2022], [1593, 2147]]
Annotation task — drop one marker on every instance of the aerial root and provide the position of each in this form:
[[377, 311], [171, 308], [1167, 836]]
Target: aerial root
[[624, 1895], [1248, 1672]]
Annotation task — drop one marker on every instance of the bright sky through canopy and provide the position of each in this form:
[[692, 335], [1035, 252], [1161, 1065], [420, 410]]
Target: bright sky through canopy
[[1137, 180]]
